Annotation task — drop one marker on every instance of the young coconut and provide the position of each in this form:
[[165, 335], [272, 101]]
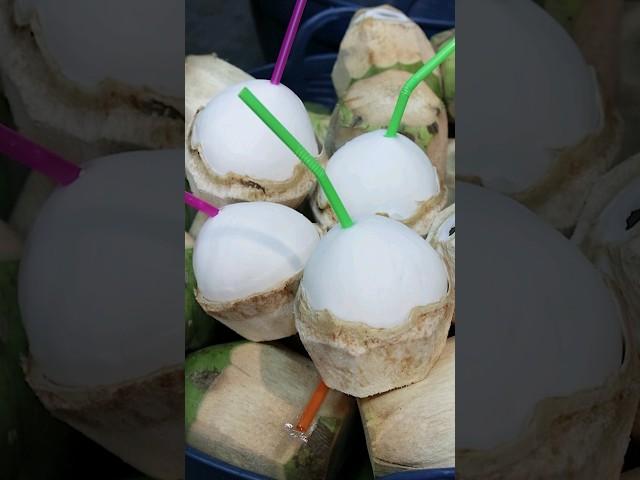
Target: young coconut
[[548, 154], [379, 39], [240, 398], [442, 235], [248, 261], [234, 157], [387, 176], [448, 70], [99, 329], [514, 418], [199, 329], [413, 428], [86, 89]]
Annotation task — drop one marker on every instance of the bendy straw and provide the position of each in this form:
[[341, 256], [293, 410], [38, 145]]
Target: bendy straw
[[287, 42], [24, 151], [200, 205], [302, 153], [394, 124]]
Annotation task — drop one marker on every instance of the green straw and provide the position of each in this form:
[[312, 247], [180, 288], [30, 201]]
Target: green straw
[[305, 157], [394, 124]]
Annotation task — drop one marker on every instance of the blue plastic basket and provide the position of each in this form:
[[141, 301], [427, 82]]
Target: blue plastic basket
[[309, 76]]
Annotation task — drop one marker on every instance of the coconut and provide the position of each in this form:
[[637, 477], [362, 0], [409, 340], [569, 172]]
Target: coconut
[[451, 171], [73, 95], [369, 103], [104, 355], [234, 157], [240, 398], [442, 235], [413, 427], [448, 72], [199, 327], [248, 262], [374, 174], [374, 306], [556, 394], [545, 154], [380, 39]]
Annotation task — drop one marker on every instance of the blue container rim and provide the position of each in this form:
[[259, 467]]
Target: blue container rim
[[216, 465]]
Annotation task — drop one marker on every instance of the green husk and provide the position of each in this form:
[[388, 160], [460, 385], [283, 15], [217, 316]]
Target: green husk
[[199, 327], [320, 117], [448, 71]]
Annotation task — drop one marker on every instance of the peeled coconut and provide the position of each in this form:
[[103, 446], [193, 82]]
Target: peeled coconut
[[374, 174], [414, 427], [199, 327], [235, 157], [379, 39], [548, 385], [442, 235], [374, 306], [369, 103], [85, 89], [544, 154], [106, 345], [248, 261], [448, 71], [240, 398]]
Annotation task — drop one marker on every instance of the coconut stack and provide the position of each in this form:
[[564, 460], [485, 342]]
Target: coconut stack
[[379, 52], [230, 156], [514, 417], [546, 155], [413, 428], [241, 399]]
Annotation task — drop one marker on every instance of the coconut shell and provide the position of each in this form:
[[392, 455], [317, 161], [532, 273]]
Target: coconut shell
[[583, 435], [368, 105], [372, 45], [420, 221], [413, 427], [260, 317], [360, 360], [140, 421], [75, 124], [241, 396], [199, 327]]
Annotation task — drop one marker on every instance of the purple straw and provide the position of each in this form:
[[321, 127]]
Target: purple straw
[[193, 201], [287, 43], [22, 150]]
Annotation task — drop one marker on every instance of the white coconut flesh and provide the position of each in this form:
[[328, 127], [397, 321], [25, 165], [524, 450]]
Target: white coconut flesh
[[620, 219], [375, 174], [81, 39], [232, 139], [97, 267], [251, 248], [515, 143], [382, 13], [544, 324], [374, 272], [447, 229]]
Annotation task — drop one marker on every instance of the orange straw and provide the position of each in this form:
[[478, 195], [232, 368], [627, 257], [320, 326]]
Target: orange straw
[[310, 411]]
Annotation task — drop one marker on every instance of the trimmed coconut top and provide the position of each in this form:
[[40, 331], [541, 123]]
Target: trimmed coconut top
[[375, 174], [98, 273], [384, 13], [374, 272], [541, 319], [514, 142], [232, 139], [251, 248], [80, 38], [621, 217]]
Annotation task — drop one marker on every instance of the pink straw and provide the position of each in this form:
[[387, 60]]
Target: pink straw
[[193, 201], [287, 43], [22, 150]]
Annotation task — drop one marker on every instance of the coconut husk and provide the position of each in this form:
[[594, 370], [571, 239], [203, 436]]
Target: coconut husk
[[413, 427], [448, 72], [79, 125], [199, 327], [260, 317], [360, 360], [368, 105], [451, 171], [448, 247], [140, 421], [240, 398], [372, 45], [561, 193], [583, 435], [421, 220]]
